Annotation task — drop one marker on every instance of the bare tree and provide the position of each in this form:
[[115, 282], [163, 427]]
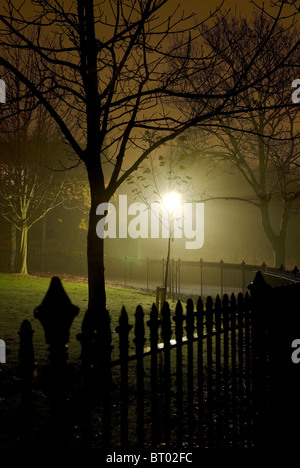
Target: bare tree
[[264, 146], [113, 74], [29, 189], [165, 174]]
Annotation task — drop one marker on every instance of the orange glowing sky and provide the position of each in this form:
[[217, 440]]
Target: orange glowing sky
[[203, 7]]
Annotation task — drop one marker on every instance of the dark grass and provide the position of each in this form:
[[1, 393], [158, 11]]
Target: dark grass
[[19, 295]]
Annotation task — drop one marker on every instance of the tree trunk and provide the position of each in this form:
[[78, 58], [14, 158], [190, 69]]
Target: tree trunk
[[95, 253], [95, 325], [279, 252], [277, 241], [23, 249], [95, 258], [13, 249], [44, 224], [167, 269]]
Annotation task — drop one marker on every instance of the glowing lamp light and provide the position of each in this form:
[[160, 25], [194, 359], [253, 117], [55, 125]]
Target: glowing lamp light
[[172, 202]]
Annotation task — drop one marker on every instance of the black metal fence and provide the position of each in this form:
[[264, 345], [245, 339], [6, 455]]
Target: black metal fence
[[219, 375]]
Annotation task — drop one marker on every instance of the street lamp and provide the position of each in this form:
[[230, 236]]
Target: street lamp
[[172, 202]]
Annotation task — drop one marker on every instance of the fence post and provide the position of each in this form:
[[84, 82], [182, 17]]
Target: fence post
[[295, 273], [190, 336], [26, 362], [123, 330], [56, 314], [139, 344], [96, 367], [218, 368], [248, 364], [200, 317], [166, 335], [178, 319], [209, 328], [225, 310], [125, 270], [240, 310], [222, 275], [233, 365], [172, 278], [147, 273], [179, 266], [262, 306], [153, 324], [201, 277], [243, 264]]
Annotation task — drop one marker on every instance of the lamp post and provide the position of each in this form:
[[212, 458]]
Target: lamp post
[[171, 203]]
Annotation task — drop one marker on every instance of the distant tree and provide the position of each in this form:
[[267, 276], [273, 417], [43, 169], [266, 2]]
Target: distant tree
[[114, 76], [264, 146], [29, 188], [166, 171]]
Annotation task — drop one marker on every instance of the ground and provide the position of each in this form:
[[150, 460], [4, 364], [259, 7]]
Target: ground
[[19, 295]]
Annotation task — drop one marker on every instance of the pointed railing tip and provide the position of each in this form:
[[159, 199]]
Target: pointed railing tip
[[153, 322], [154, 311], [225, 300], [25, 328], [124, 327], [199, 303], [178, 312], [139, 311], [56, 313], [218, 301], [165, 309], [240, 297], [258, 282], [56, 293]]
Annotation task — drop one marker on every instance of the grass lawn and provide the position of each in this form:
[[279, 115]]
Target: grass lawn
[[19, 295]]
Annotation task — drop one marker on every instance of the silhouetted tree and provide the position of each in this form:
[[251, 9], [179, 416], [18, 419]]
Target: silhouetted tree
[[29, 189], [113, 75], [166, 171], [263, 146]]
